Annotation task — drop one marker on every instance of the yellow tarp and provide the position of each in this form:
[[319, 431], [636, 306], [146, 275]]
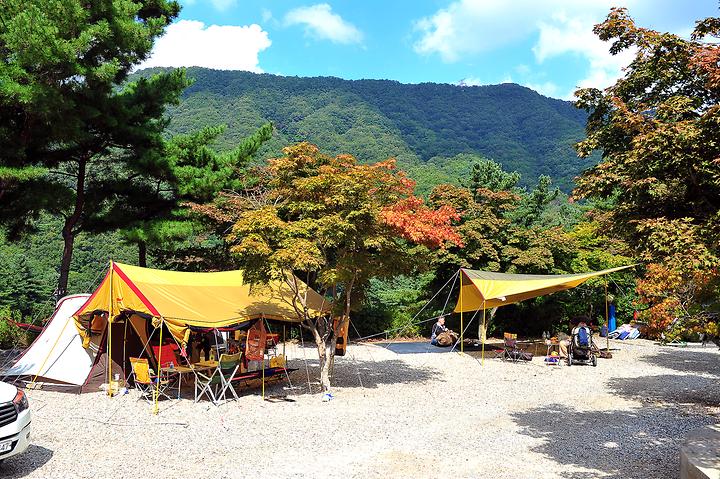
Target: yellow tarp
[[183, 299], [485, 290]]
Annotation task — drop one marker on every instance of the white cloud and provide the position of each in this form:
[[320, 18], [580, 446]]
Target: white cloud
[[223, 47], [473, 26], [266, 15], [562, 35], [547, 88], [321, 23]]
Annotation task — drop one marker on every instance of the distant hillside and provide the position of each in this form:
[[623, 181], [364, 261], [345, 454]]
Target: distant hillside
[[433, 129]]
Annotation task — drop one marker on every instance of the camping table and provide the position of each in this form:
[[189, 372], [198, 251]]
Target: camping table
[[180, 370]]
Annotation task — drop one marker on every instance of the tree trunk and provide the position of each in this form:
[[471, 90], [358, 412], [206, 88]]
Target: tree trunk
[[325, 342], [69, 230], [142, 254], [69, 242], [326, 361], [482, 331]]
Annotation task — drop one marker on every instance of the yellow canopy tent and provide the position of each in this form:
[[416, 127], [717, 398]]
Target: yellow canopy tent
[[482, 290], [183, 299], [130, 295]]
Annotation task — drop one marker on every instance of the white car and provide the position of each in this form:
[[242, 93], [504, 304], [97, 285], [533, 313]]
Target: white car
[[14, 421]]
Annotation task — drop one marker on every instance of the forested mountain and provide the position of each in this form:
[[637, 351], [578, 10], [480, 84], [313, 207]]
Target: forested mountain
[[425, 126]]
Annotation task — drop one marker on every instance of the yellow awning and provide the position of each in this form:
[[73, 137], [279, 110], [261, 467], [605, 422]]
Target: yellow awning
[[183, 299], [485, 290]]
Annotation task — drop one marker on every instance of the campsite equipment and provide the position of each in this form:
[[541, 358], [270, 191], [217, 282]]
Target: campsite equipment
[[90, 338], [483, 290], [217, 384], [512, 350], [581, 347], [56, 359], [147, 382]]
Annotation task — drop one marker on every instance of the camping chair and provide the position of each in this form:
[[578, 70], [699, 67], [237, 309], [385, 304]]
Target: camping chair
[[511, 350], [219, 382], [146, 381], [167, 355]]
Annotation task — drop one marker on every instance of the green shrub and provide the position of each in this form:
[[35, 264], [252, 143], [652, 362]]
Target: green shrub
[[10, 335]]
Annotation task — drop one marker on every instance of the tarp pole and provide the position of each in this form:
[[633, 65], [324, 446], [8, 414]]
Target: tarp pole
[[607, 317], [462, 349], [484, 335], [158, 380], [108, 360]]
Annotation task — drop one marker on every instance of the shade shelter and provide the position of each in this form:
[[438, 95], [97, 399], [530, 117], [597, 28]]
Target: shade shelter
[[482, 290], [133, 302]]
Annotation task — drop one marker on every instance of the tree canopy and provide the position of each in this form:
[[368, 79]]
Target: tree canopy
[[657, 130]]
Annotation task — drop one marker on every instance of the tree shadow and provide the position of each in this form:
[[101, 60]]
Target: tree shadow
[[670, 390], [25, 463], [703, 362], [620, 444], [348, 372]]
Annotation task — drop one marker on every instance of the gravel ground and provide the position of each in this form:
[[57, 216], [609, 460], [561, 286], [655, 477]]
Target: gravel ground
[[409, 413]]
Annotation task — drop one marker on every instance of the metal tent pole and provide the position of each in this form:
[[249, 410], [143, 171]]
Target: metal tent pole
[[462, 343], [484, 335], [607, 318]]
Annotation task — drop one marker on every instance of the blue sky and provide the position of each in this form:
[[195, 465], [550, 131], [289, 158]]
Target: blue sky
[[547, 45]]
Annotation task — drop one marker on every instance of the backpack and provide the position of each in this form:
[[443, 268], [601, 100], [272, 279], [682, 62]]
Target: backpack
[[583, 337]]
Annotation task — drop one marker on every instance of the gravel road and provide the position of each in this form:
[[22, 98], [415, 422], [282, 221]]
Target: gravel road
[[400, 410]]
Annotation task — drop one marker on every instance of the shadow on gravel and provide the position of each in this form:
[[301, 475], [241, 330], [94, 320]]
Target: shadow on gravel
[[25, 463], [679, 359], [670, 389], [348, 372], [622, 444]]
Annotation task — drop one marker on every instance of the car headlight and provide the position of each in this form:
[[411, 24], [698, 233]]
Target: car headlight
[[21, 402]]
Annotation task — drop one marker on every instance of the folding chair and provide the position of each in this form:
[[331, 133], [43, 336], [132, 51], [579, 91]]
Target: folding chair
[[146, 381], [219, 382], [511, 350]]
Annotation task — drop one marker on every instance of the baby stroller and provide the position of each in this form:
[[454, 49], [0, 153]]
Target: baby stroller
[[581, 347]]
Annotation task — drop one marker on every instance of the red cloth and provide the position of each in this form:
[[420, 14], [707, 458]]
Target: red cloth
[[256, 342], [168, 355]]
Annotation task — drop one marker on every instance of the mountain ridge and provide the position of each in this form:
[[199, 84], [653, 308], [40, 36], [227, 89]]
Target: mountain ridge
[[420, 124]]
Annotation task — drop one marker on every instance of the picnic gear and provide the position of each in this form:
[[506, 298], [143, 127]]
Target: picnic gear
[[512, 350], [133, 304], [147, 382], [483, 290], [217, 384], [581, 348]]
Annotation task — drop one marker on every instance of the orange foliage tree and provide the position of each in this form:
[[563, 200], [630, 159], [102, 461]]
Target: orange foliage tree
[[337, 224], [657, 131]]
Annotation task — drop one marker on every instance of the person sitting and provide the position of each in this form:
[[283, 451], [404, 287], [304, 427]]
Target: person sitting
[[437, 329], [564, 344]]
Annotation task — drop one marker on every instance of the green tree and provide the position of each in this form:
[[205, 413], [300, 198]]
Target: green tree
[[337, 224], [193, 172], [657, 130], [72, 133]]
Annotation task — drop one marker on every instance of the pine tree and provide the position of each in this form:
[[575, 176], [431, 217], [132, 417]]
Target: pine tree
[[72, 131]]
